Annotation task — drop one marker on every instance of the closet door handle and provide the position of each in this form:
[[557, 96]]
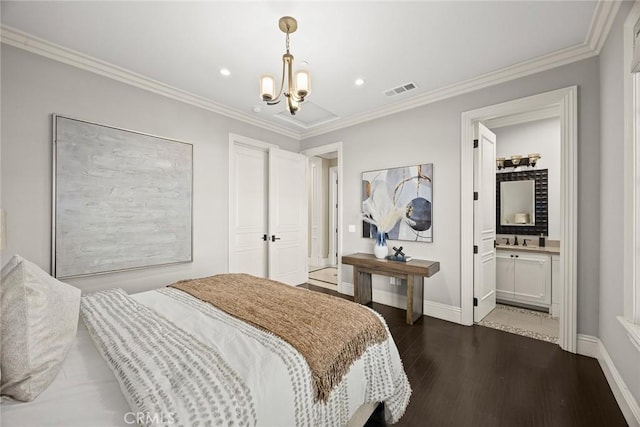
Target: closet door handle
[[265, 237], [274, 238]]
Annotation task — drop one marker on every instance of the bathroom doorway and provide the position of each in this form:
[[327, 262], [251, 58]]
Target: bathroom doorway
[[560, 103], [527, 221]]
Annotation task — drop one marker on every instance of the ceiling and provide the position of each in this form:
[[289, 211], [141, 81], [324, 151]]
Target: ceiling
[[178, 48]]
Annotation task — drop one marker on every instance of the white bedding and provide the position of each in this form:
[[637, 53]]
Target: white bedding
[[86, 392]]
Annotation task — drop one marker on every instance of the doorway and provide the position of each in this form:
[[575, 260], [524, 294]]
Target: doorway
[[565, 100], [324, 213], [526, 274], [267, 211]]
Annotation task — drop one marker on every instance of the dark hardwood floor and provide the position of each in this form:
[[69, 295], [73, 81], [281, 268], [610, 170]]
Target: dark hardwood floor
[[477, 376]]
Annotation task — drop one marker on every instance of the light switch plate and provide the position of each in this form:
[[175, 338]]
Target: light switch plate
[[352, 228]]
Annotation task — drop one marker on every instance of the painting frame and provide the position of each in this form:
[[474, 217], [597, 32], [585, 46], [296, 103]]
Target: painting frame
[[134, 188], [401, 182]]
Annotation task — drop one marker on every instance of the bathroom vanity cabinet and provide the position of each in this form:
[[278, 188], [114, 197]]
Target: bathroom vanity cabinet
[[523, 277]]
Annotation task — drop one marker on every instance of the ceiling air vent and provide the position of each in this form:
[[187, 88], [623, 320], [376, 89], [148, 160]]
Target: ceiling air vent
[[401, 89]]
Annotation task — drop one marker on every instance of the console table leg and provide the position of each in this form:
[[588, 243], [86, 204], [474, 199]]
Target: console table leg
[[414, 298], [362, 293], [356, 290]]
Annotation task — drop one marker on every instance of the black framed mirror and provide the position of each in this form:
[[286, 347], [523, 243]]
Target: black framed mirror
[[522, 200]]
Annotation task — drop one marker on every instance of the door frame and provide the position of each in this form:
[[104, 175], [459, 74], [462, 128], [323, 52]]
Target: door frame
[[334, 181], [567, 101], [314, 190], [329, 148]]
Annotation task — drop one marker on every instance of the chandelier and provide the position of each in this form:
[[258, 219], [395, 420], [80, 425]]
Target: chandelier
[[294, 94]]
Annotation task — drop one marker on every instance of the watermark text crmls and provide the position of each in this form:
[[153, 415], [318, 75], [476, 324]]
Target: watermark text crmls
[[166, 418]]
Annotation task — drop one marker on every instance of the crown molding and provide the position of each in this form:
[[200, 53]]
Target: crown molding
[[601, 23], [16, 38], [522, 69]]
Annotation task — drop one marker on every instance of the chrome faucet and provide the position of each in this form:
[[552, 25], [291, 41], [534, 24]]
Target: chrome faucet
[[515, 240]]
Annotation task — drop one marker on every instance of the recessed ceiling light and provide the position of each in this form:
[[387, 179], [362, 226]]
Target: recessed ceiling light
[[225, 72], [360, 82], [256, 109]]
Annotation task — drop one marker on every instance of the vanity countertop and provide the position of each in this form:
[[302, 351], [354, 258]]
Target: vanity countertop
[[551, 250]]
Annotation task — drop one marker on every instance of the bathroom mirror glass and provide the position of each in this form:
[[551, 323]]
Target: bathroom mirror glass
[[517, 203], [522, 192]]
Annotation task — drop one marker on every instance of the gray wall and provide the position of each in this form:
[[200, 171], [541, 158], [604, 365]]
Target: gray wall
[[611, 332], [431, 134], [34, 87]]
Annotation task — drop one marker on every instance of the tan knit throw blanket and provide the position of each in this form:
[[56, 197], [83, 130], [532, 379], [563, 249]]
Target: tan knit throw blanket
[[331, 333]]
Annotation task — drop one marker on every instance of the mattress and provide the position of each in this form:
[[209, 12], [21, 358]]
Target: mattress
[[86, 392]]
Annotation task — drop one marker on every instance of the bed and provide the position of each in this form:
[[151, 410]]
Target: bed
[[166, 357]]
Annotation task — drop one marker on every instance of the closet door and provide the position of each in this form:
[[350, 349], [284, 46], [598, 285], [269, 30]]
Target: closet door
[[267, 211], [287, 217], [248, 211]]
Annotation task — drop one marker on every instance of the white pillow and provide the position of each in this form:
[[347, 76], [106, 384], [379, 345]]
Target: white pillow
[[10, 265], [39, 318]]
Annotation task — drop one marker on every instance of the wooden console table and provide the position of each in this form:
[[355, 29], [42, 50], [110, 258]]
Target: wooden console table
[[411, 273]]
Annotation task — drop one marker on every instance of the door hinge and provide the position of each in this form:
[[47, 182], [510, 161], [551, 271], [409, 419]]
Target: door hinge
[[475, 195], [495, 244], [475, 143], [475, 302], [475, 249]]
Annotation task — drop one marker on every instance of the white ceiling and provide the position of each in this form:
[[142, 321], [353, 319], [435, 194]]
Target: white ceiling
[[185, 44]]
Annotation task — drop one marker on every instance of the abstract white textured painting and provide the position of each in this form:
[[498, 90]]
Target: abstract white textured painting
[[122, 200]]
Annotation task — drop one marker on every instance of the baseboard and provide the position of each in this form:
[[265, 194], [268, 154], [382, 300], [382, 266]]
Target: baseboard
[[318, 262], [346, 288], [593, 347], [446, 312], [587, 346], [433, 309]]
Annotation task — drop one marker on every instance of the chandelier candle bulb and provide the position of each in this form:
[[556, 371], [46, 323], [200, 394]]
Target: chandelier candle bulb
[[302, 84], [267, 88]]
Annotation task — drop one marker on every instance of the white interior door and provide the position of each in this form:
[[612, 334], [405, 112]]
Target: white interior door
[[484, 227], [248, 210], [287, 217]]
